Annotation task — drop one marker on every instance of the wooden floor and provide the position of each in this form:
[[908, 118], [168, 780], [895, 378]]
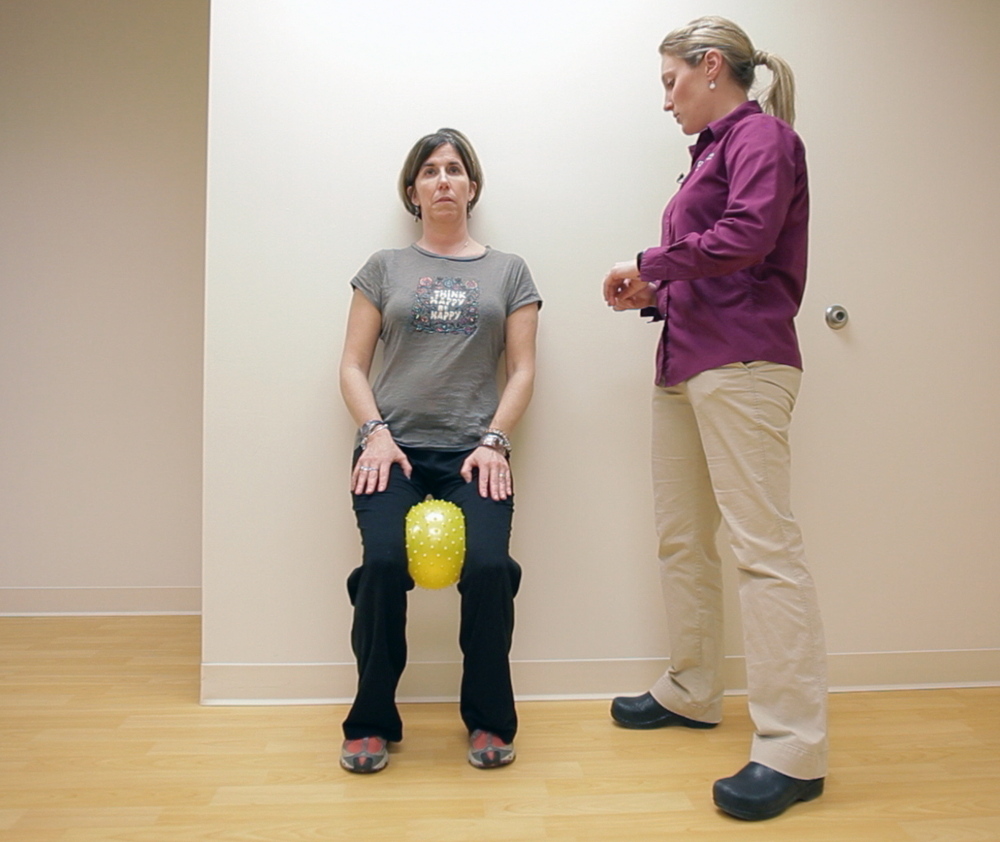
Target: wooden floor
[[102, 738]]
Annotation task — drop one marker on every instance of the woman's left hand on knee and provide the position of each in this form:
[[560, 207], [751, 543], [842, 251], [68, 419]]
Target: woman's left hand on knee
[[493, 469]]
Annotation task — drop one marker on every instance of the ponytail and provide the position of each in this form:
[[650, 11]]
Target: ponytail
[[779, 97], [692, 41]]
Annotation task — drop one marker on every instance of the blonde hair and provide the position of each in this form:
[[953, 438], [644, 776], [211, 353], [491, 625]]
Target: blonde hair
[[692, 41]]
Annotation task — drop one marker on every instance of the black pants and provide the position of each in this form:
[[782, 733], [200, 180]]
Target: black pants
[[489, 582]]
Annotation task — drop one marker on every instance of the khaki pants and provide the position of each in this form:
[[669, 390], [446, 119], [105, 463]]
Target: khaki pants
[[720, 450]]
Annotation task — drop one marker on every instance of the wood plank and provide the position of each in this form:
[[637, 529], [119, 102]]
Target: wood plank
[[103, 739]]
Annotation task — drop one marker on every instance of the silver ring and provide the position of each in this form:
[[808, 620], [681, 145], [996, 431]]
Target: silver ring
[[366, 468], [503, 473]]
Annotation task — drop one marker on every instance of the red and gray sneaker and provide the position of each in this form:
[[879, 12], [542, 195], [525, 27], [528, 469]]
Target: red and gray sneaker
[[488, 751], [369, 754]]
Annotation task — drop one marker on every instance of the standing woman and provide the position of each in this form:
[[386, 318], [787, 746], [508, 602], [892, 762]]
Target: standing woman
[[727, 281], [446, 308]]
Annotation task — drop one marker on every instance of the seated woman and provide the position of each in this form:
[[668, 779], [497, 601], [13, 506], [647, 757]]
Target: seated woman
[[435, 422]]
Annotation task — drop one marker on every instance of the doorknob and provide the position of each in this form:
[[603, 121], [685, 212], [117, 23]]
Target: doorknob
[[836, 316]]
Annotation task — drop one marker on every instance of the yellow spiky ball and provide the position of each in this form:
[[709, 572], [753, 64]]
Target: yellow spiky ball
[[435, 543]]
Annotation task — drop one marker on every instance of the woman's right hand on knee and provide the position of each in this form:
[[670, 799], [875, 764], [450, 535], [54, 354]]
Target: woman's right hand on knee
[[371, 471]]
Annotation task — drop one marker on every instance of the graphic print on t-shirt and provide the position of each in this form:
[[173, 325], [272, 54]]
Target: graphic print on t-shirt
[[446, 305]]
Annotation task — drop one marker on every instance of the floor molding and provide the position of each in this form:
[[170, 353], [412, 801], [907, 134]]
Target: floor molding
[[581, 679], [44, 602]]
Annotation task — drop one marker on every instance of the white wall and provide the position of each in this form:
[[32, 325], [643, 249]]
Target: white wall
[[103, 110], [314, 105]]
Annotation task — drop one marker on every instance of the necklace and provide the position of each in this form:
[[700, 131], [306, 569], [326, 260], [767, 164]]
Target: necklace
[[455, 253]]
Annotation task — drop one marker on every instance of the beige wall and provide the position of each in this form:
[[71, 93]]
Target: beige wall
[[313, 107], [103, 111]]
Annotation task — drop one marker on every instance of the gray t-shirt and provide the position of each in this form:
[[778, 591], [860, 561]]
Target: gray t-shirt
[[443, 328]]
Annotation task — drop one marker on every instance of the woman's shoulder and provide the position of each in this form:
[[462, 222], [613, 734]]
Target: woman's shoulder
[[377, 258], [383, 260], [517, 278], [762, 126], [386, 255], [505, 258], [389, 254], [763, 140]]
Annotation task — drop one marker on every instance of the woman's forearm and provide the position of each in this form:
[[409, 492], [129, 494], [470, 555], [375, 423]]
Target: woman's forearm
[[522, 327], [363, 325], [514, 400], [358, 395]]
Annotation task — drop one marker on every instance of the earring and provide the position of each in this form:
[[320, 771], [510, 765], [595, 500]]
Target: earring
[[711, 85], [416, 214]]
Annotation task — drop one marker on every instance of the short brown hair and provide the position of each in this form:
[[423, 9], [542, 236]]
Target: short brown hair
[[424, 148]]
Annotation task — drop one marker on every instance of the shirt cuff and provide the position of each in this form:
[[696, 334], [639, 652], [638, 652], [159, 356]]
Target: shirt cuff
[[655, 283]]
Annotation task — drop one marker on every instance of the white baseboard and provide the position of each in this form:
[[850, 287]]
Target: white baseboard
[[40, 602], [249, 684]]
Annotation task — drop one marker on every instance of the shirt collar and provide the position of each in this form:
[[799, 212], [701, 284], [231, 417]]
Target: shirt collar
[[717, 129]]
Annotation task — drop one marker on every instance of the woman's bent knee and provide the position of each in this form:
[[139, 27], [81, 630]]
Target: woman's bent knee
[[379, 573], [491, 570]]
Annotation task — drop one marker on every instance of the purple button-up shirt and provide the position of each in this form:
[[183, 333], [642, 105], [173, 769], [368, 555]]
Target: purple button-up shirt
[[731, 268]]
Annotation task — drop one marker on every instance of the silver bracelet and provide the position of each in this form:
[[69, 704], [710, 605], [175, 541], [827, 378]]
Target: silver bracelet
[[369, 428], [496, 439]]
